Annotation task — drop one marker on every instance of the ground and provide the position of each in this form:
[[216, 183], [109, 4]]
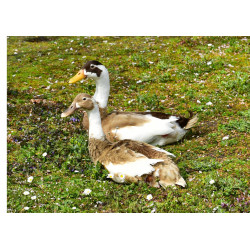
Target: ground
[[207, 75]]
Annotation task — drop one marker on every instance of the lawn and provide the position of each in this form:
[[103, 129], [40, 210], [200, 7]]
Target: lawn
[[207, 75]]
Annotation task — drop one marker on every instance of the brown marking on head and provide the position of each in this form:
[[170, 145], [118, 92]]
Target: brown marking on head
[[90, 66], [83, 101]]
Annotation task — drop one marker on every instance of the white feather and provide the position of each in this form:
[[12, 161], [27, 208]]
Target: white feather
[[137, 168], [102, 86], [148, 131], [95, 126], [163, 151]]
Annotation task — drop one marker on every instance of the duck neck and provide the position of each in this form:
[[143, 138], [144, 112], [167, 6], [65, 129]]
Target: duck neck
[[97, 139], [102, 90], [95, 124]]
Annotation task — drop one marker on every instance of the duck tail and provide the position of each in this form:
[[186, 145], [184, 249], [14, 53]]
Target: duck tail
[[192, 121], [181, 182]]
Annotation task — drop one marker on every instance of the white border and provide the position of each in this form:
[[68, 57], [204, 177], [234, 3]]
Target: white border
[[130, 17], [79, 17]]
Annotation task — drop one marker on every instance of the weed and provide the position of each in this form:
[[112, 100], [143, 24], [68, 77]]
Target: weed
[[169, 74]]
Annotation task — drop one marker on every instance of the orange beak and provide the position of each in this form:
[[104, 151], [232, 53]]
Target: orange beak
[[79, 76]]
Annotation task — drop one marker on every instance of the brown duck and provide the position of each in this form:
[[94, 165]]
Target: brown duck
[[127, 161]]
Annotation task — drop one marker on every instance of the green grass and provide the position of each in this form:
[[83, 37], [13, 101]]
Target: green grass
[[169, 74]]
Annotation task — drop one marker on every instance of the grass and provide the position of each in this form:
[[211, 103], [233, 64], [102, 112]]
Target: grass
[[170, 74]]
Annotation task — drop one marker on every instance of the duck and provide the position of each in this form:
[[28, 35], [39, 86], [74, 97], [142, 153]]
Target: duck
[[127, 161], [155, 128]]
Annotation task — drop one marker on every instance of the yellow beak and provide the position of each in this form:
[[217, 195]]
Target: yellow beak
[[79, 76]]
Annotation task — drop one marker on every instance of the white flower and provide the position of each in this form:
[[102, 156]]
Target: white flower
[[210, 44], [151, 62], [149, 197], [33, 197], [110, 176], [26, 208], [198, 101], [225, 138], [26, 192], [212, 181], [87, 191], [30, 179], [76, 171], [74, 208], [122, 176], [209, 63], [139, 81], [44, 154], [215, 208], [153, 210], [209, 103]]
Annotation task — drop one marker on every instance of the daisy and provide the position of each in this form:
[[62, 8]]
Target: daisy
[[149, 197], [30, 179], [44, 154], [26, 192], [209, 103], [122, 176], [225, 138], [212, 181], [33, 197], [87, 191], [26, 208], [110, 176], [153, 210], [209, 63]]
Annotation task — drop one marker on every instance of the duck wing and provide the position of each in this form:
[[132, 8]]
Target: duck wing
[[121, 159], [138, 127]]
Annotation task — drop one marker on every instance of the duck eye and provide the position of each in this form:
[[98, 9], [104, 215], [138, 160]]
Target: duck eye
[[92, 66], [84, 98]]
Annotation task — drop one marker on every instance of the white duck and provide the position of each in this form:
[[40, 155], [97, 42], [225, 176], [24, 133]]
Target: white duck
[[127, 161], [155, 128]]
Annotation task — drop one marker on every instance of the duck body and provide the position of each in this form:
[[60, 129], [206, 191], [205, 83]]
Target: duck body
[[127, 160], [139, 126], [155, 128], [143, 127]]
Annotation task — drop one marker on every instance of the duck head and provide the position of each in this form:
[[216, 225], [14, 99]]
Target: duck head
[[92, 69], [83, 101]]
